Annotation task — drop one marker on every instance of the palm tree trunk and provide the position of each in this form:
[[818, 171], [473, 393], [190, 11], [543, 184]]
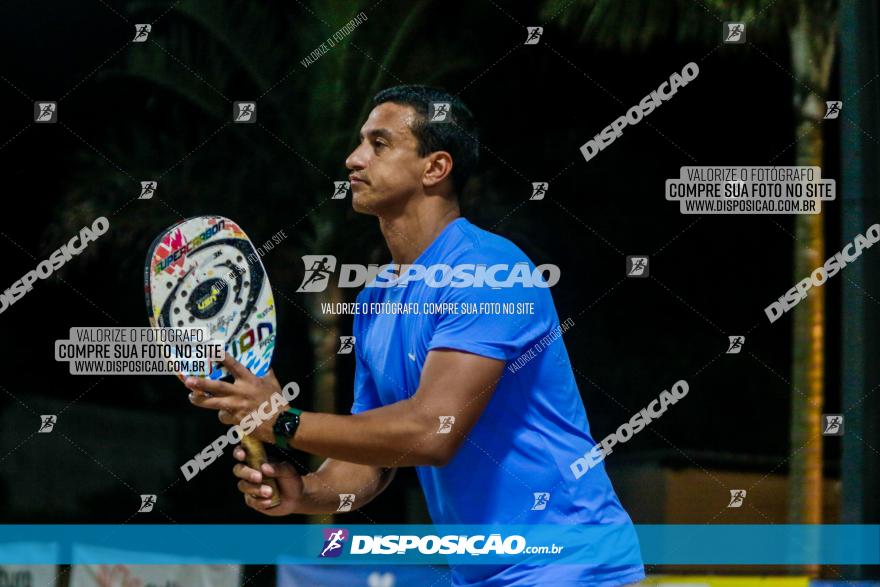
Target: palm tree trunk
[[812, 39], [807, 369]]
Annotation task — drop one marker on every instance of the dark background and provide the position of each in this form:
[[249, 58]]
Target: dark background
[[162, 109]]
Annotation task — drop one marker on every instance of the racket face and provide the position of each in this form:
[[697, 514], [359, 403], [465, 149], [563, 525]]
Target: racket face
[[205, 273]]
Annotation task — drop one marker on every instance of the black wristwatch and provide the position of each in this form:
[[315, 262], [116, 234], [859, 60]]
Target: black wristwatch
[[285, 427]]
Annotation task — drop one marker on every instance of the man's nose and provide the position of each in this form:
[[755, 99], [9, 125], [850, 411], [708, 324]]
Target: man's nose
[[355, 160]]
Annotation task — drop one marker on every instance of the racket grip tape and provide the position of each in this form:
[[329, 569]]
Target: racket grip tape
[[256, 456]]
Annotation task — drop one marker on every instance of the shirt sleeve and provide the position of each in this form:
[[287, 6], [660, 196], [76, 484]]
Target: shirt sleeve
[[479, 328], [366, 395]]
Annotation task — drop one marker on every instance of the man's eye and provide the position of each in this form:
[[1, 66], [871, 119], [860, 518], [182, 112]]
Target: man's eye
[[378, 145]]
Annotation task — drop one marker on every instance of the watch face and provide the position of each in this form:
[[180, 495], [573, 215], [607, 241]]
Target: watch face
[[286, 424]]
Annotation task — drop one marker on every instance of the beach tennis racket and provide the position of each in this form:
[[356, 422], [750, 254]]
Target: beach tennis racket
[[205, 273]]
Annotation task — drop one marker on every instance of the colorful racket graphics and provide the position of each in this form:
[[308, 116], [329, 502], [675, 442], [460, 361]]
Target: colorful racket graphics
[[205, 273]]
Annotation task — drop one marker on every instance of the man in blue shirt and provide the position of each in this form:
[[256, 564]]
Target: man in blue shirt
[[479, 396]]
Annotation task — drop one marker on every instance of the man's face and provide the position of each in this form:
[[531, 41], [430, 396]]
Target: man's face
[[385, 167]]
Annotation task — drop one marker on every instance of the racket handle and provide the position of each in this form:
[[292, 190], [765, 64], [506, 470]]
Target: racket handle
[[256, 456]]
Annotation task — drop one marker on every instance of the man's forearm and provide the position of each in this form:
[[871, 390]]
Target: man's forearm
[[397, 435], [322, 488]]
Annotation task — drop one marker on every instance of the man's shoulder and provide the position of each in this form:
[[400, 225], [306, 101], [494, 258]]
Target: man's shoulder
[[476, 245], [367, 294]]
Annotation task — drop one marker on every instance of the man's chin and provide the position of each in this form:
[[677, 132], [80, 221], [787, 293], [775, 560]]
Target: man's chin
[[360, 202]]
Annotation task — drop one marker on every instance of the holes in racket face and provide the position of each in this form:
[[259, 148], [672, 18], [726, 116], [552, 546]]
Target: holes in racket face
[[220, 286], [210, 292]]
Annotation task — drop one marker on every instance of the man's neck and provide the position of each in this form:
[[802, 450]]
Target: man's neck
[[409, 234]]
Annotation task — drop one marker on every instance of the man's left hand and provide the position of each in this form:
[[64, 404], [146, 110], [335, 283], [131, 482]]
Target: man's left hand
[[236, 400]]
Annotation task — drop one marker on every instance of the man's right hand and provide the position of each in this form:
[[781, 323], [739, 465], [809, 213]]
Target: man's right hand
[[258, 496]]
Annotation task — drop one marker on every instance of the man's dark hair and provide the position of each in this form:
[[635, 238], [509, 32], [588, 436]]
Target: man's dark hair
[[458, 137]]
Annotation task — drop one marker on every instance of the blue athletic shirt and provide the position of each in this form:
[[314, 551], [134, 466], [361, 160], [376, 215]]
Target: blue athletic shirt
[[533, 427]]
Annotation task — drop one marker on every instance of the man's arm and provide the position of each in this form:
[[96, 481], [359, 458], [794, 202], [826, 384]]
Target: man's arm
[[315, 493], [405, 433], [322, 488], [452, 383]]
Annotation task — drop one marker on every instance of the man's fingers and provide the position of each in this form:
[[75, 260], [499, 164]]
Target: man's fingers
[[251, 489], [257, 503], [239, 454], [246, 473], [209, 403], [278, 470], [255, 490], [236, 368], [208, 385]]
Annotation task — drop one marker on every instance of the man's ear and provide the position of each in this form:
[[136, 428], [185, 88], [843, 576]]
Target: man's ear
[[438, 166]]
